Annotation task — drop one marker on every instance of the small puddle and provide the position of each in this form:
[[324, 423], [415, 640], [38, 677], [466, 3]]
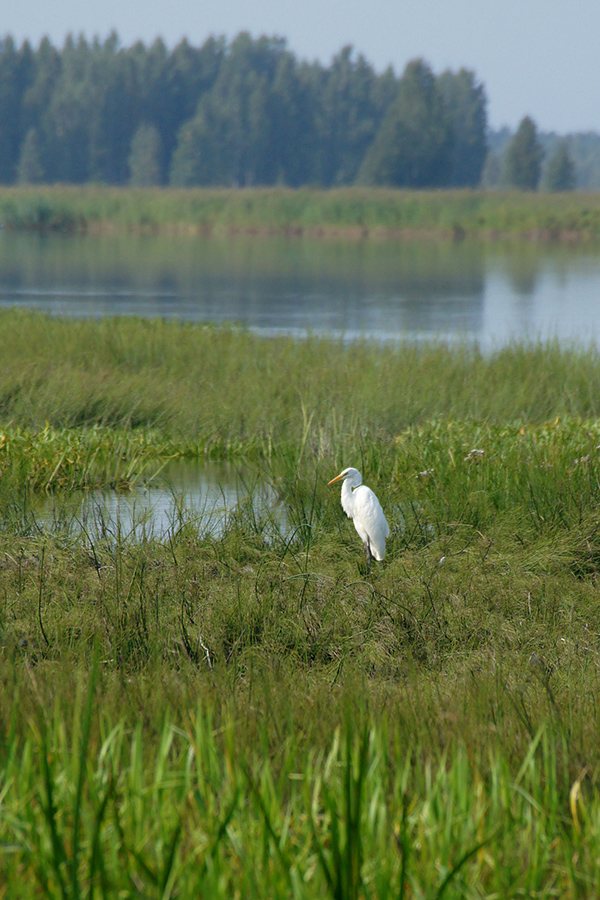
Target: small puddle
[[200, 494]]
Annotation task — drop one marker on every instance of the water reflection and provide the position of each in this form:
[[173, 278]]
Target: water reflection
[[522, 270], [372, 289], [203, 495], [386, 290]]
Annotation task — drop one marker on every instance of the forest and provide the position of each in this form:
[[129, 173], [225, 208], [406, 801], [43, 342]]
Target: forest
[[248, 112], [239, 113]]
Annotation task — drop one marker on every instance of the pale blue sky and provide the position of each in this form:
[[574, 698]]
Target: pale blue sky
[[535, 57]]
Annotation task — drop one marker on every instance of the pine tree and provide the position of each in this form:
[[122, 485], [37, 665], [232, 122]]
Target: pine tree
[[347, 116], [144, 158], [413, 146], [465, 106], [37, 102], [560, 171], [523, 158], [16, 72], [238, 135], [29, 167]]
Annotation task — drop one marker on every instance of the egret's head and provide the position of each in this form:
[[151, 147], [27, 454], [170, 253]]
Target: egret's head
[[353, 476]]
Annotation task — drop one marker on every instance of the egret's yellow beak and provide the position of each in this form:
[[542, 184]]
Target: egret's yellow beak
[[333, 480]]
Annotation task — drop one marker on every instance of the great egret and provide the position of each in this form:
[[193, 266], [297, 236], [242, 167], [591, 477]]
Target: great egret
[[362, 506]]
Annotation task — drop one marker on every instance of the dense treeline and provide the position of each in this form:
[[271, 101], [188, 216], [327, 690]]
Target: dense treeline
[[245, 112]]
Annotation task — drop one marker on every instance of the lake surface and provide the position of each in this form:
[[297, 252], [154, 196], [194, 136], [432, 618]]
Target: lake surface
[[383, 290]]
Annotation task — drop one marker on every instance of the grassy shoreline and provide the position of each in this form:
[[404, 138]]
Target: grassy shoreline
[[228, 388], [350, 213], [248, 714]]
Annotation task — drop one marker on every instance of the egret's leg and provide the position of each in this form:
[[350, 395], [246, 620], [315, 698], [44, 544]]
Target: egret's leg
[[369, 556]]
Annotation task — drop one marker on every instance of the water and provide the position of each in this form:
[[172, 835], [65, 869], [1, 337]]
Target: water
[[489, 294], [203, 495], [383, 290]]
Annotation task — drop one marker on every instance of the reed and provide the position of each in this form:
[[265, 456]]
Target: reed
[[194, 814], [350, 212]]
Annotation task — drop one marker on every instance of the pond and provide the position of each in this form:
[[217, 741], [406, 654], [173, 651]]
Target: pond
[[204, 495], [384, 290]]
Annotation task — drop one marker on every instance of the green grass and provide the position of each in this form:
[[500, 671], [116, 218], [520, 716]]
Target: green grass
[[246, 713], [351, 212], [194, 815], [233, 392]]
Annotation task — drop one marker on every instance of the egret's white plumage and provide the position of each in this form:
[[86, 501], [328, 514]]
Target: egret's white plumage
[[362, 506]]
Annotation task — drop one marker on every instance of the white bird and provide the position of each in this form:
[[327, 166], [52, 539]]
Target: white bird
[[362, 506]]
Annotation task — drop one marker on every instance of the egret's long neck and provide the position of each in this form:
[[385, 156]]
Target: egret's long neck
[[347, 499]]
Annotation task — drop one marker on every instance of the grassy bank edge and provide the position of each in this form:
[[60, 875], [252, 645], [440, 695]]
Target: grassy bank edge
[[352, 213]]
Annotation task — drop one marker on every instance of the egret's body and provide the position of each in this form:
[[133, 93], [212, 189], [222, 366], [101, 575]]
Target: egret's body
[[362, 506]]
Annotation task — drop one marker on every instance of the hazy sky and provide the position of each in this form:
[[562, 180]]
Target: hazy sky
[[535, 57]]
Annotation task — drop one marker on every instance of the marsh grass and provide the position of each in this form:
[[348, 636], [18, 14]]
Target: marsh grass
[[51, 459], [229, 392], [351, 212], [243, 712], [95, 810]]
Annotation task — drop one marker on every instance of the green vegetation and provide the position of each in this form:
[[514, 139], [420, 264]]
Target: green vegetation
[[523, 157], [414, 146], [144, 159], [226, 388], [583, 151], [247, 112], [345, 212], [560, 171], [246, 714], [240, 112]]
